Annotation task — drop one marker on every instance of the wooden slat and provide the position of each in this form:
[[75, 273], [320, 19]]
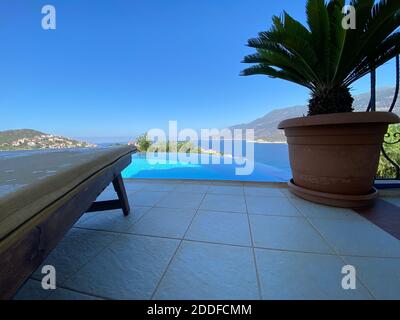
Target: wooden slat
[[105, 205]]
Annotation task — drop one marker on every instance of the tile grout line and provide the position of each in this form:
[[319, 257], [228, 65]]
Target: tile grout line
[[233, 245], [196, 213], [253, 251], [63, 286], [176, 251], [87, 262], [48, 296], [334, 249], [80, 292], [361, 280], [341, 258], [331, 246], [118, 235]]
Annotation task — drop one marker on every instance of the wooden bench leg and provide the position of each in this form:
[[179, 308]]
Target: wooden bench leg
[[120, 203], [119, 188]]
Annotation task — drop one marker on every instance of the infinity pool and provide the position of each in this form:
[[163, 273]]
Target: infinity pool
[[271, 164], [143, 167]]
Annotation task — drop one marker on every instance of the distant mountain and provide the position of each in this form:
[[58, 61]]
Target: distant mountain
[[265, 128], [28, 139]]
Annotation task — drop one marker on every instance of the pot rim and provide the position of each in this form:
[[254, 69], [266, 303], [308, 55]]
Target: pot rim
[[340, 118]]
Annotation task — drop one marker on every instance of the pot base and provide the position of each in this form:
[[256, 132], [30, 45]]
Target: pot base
[[335, 200]]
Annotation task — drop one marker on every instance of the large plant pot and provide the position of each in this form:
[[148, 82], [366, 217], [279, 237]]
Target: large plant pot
[[334, 157]]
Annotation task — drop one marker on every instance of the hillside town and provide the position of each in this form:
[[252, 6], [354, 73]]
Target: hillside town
[[44, 141]]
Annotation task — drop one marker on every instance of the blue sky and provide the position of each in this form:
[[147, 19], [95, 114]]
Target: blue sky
[[115, 68]]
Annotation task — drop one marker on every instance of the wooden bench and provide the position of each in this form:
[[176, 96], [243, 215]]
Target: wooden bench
[[27, 237]]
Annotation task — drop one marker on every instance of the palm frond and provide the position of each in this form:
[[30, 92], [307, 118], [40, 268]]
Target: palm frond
[[326, 56], [373, 28], [337, 36], [281, 60], [348, 57], [382, 22], [318, 22], [262, 69], [287, 44], [386, 51]]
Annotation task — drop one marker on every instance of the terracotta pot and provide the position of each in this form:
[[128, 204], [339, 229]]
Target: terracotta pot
[[336, 154]]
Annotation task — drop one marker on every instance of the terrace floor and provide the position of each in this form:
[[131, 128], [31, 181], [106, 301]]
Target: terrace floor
[[221, 240]]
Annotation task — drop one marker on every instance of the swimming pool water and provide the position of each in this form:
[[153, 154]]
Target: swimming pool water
[[271, 165]]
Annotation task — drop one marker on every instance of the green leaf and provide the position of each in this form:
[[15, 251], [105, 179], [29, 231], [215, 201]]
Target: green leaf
[[326, 56], [319, 24]]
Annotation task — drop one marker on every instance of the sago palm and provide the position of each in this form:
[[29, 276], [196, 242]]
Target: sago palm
[[324, 56]]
